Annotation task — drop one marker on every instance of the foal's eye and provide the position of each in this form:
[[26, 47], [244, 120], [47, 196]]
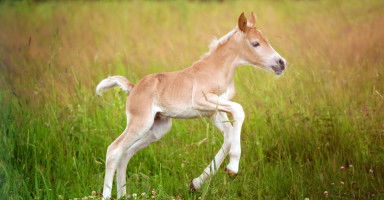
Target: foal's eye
[[255, 44]]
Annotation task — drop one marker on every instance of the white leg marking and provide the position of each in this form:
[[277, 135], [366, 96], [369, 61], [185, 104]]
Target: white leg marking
[[221, 121], [112, 157], [158, 130], [118, 147], [122, 166], [231, 142], [235, 149]]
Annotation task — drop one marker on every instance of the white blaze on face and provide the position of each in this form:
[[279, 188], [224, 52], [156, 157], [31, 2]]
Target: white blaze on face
[[274, 61], [270, 58]]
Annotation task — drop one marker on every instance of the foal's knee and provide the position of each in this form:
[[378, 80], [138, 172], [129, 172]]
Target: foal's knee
[[238, 112]]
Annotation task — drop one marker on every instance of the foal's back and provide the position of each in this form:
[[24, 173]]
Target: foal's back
[[168, 91]]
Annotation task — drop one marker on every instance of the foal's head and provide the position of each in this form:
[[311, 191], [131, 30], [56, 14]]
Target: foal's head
[[255, 49]]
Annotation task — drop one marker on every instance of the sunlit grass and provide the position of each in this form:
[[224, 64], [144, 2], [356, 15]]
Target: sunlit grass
[[324, 113]]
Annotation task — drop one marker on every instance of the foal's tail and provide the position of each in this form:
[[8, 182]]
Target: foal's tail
[[114, 81]]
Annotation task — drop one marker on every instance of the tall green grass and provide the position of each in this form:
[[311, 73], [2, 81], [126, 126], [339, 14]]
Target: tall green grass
[[325, 112]]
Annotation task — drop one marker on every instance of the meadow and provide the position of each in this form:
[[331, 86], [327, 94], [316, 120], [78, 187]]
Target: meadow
[[316, 132]]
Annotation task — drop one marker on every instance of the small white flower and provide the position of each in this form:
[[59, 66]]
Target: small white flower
[[134, 195], [306, 198], [143, 194]]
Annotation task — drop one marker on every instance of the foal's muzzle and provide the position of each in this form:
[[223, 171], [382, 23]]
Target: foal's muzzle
[[279, 67]]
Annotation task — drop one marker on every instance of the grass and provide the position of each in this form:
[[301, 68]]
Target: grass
[[327, 111]]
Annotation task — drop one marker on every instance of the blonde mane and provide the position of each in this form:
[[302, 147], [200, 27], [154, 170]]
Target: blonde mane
[[216, 43]]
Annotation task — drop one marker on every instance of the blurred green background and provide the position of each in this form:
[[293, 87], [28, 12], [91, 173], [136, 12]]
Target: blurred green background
[[324, 113]]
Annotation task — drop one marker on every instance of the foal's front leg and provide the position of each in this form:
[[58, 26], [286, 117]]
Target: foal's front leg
[[235, 149], [231, 142], [221, 121], [237, 112]]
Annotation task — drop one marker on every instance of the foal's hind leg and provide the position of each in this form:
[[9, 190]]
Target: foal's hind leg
[[159, 128], [137, 126]]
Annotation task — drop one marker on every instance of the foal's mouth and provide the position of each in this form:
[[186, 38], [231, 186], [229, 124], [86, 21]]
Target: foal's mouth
[[277, 70]]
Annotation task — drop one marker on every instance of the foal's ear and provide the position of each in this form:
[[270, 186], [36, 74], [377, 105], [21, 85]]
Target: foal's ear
[[252, 20], [242, 22]]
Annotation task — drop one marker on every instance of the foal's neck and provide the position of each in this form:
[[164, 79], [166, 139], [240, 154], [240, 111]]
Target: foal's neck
[[223, 61]]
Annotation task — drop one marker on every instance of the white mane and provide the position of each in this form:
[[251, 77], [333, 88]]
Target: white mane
[[217, 42]]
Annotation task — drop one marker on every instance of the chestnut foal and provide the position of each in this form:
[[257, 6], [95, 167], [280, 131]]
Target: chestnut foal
[[203, 90]]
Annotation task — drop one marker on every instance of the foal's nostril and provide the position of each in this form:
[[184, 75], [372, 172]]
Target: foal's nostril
[[282, 64]]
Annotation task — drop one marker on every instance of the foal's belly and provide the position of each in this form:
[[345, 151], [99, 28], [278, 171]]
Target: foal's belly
[[186, 113]]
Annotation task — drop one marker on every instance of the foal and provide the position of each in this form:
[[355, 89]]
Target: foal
[[203, 90]]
